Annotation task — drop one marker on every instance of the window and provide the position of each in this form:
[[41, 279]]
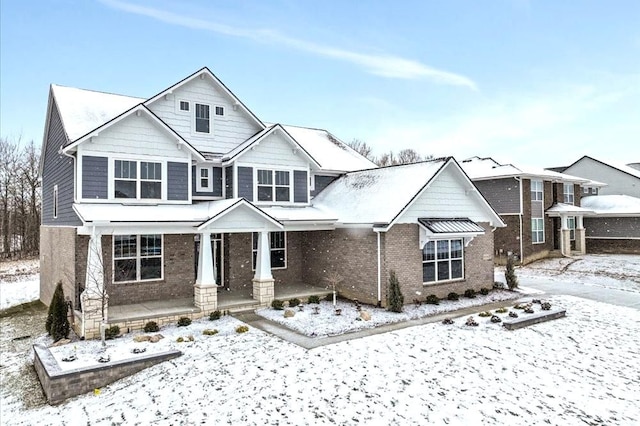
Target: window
[[586, 190], [55, 201], [128, 185], [537, 230], [278, 246], [568, 193], [273, 185], [184, 106], [571, 224], [204, 179], [442, 260], [137, 257], [202, 118], [220, 111], [536, 190]]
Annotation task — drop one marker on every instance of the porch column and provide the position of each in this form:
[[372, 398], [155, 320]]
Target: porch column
[[565, 236], [581, 244], [94, 300], [263, 280], [205, 290]]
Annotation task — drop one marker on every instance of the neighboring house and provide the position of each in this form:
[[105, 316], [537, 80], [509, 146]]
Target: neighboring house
[[187, 202], [615, 226], [540, 207]]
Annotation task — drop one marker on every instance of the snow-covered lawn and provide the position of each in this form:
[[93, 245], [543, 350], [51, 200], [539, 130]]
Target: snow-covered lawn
[[620, 272], [19, 282]]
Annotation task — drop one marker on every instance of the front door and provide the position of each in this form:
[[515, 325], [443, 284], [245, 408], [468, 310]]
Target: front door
[[217, 253], [556, 233]]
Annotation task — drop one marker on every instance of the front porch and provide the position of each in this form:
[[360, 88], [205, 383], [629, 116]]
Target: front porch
[[135, 315]]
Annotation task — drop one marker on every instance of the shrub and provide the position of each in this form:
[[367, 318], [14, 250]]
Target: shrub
[[180, 339], [242, 329], [112, 332], [502, 310], [278, 305], [495, 319], [432, 299], [151, 327], [484, 314], [470, 293], [453, 296], [498, 285], [484, 291], [471, 322], [57, 323], [208, 332], [510, 274], [447, 321], [396, 299], [215, 315], [545, 306], [513, 314], [314, 299], [294, 302], [184, 321]]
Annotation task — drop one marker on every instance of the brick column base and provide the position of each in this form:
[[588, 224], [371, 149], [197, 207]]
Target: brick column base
[[91, 316], [263, 291], [206, 298]]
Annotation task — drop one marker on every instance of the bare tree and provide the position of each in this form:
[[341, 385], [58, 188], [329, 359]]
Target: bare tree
[[8, 164], [362, 148], [405, 156]]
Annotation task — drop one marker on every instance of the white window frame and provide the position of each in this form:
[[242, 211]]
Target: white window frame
[[179, 106], [209, 178], [195, 119], [571, 225], [586, 190], [138, 258], [273, 185], [449, 260], [537, 187], [254, 251], [568, 193], [55, 201], [215, 111], [537, 230], [138, 180]]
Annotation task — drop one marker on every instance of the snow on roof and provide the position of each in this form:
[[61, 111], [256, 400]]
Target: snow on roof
[[612, 204], [376, 195], [330, 152], [83, 110], [487, 168], [560, 208], [300, 214]]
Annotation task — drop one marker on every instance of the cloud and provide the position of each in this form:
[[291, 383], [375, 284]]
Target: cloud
[[383, 65]]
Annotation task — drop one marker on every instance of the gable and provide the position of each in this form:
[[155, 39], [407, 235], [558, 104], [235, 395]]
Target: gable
[[619, 181], [226, 131], [274, 150], [240, 217], [449, 194]]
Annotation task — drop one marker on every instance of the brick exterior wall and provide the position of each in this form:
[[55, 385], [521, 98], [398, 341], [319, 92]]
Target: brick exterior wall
[[507, 239], [622, 246], [57, 261]]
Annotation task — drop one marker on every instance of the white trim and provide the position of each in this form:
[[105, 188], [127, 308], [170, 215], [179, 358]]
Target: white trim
[[137, 258], [273, 185], [199, 187], [435, 261], [194, 132], [138, 179], [271, 250], [544, 236], [182, 111]]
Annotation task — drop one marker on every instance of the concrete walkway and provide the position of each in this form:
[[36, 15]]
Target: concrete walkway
[[307, 342], [612, 296]]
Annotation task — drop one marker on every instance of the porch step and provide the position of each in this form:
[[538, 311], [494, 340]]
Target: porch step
[[535, 318], [246, 306]]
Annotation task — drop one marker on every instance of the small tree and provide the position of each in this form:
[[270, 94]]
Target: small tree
[[333, 279], [510, 274], [57, 323], [396, 299]]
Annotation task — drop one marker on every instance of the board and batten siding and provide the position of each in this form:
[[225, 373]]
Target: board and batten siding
[[227, 132], [502, 194], [446, 197], [57, 169], [321, 182], [300, 186], [216, 183], [135, 137], [274, 151], [95, 177], [177, 181], [245, 182]]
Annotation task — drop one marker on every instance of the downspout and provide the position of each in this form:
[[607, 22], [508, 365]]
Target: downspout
[[520, 219], [379, 271]]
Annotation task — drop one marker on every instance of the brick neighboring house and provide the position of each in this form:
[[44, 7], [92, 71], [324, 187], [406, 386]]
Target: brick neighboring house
[[542, 209], [187, 195], [615, 226]]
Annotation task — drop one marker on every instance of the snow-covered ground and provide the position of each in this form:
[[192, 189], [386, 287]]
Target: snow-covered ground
[[581, 369], [19, 282]]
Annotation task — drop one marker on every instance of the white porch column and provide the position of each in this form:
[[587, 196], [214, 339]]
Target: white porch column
[[565, 236], [94, 299], [263, 281], [581, 243], [205, 290]]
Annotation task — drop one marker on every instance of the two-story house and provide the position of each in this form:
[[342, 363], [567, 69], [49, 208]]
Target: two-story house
[[615, 226], [186, 202], [540, 207]]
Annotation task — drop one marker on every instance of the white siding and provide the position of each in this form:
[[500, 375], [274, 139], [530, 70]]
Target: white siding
[[619, 183], [241, 219], [274, 151], [447, 197], [226, 132], [135, 136]]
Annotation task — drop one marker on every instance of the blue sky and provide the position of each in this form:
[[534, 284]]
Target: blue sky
[[531, 82]]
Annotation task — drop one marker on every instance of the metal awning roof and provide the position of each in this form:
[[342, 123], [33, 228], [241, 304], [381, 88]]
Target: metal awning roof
[[450, 226]]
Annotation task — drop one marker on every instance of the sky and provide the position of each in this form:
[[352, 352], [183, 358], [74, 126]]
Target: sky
[[535, 83]]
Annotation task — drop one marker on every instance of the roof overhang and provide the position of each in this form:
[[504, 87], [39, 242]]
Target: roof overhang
[[563, 209]]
